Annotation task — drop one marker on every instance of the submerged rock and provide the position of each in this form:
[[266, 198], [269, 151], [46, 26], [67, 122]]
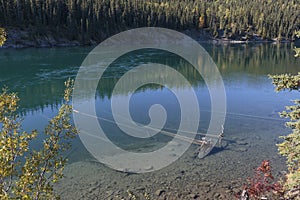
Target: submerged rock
[[159, 192]]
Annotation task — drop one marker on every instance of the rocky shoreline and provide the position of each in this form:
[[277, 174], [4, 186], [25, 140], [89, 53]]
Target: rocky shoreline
[[20, 38], [17, 39], [220, 175]]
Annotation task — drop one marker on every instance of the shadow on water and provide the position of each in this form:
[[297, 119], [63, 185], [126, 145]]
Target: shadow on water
[[216, 150]]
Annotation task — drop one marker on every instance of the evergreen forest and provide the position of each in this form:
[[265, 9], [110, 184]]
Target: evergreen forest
[[85, 20]]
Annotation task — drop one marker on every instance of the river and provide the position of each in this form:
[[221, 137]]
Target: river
[[251, 128]]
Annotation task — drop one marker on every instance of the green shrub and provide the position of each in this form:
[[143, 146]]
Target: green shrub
[[24, 172], [290, 147]]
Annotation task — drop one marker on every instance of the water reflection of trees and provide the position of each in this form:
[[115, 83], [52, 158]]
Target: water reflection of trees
[[259, 59], [40, 85]]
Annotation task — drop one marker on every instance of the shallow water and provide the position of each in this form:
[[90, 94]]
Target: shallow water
[[251, 130]]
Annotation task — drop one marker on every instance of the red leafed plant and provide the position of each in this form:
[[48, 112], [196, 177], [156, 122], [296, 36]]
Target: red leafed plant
[[262, 184]]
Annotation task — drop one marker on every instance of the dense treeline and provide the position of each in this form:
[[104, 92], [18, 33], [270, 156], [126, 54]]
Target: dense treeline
[[97, 19]]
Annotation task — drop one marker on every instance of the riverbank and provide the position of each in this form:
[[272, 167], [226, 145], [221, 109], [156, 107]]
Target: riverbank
[[22, 38]]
